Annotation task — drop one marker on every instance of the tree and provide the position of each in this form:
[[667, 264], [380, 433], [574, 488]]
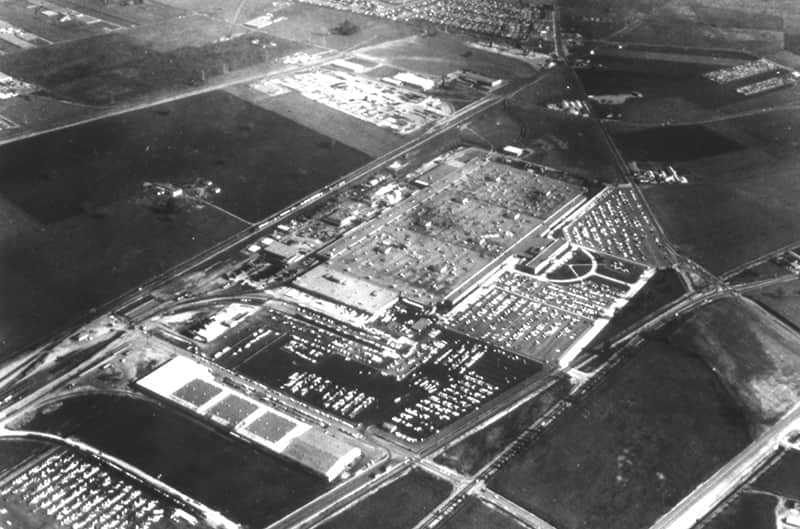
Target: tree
[[345, 28]]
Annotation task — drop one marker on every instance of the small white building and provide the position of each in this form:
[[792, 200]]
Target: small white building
[[514, 151]]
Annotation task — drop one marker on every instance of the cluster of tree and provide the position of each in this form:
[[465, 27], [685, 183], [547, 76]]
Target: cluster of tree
[[345, 28]]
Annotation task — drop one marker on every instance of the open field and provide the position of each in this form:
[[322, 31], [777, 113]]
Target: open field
[[249, 485], [82, 233], [750, 510], [783, 300], [756, 356], [728, 24], [768, 269], [15, 451], [676, 144], [131, 13], [552, 85], [21, 15], [726, 224], [565, 142], [51, 276], [442, 53], [657, 426], [313, 24], [261, 161], [710, 33], [398, 505], [153, 60], [741, 200], [781, 477]]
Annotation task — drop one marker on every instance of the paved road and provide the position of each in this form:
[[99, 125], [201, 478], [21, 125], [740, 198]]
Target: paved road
[[737, 471]]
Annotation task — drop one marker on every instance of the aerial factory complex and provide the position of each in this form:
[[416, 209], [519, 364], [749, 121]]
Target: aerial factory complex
[[405, 264]]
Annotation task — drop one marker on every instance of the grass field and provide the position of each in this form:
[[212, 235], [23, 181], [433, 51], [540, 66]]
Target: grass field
[[710, 34], [398, 505], [15, 451], [729, 24], [310, 24], [171, 56], [781, 478], [51, 277], [443, 53], [132, 13], [79, 232], [750, 510], [566, 142], [630, 449], [782, 299], [764, 270], [741, 201], [756, 357], [754, 504], [731, 221]]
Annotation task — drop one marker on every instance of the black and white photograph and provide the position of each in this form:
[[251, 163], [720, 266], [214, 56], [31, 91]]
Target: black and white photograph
[[399, 264]]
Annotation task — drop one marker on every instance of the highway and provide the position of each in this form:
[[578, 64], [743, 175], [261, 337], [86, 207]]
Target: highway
[[512, 508], [760, 259]]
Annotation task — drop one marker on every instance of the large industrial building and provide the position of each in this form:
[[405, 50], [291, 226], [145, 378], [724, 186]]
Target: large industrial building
[[194, 387]]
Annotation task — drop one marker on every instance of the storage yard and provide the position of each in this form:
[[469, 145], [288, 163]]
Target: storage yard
[[615, 222], [450, 378], [540, 316], [397, 103], [247, 484], [63, 489]]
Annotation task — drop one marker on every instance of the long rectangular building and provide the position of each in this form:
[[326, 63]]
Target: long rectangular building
[[193, 386]]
